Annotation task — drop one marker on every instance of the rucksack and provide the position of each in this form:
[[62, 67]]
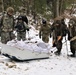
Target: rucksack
[[20, 27], [24, 18]]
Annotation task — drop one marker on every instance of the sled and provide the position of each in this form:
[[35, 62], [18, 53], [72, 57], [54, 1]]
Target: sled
[[21, 55]]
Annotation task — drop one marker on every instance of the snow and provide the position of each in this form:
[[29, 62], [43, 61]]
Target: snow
[[55, 65]]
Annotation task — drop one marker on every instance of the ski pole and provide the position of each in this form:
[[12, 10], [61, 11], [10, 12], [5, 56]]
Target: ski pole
[[66, 46], [28, 35]]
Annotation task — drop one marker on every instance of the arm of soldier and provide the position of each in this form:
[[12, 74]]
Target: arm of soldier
[[69, 34], [1, 22], [60, 36], [49, 31], [40, 32], [13, 23], [26, 27], [52, 27], [15, 26]]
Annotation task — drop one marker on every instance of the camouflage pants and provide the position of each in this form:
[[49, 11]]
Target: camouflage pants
[[21, 35], [6, 36], [73, 46], [45, 38], [59, 46]]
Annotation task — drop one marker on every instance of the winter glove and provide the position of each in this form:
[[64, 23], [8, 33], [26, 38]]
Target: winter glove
[[50, 35], [27, 29], [40, 37], [59, 38], [40, 34], [69, 37]]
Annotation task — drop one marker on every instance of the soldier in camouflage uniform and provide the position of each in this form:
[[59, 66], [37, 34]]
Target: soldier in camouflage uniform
[[56, 28], [7, 26], [45, 31], [23, 14], [71, 34], [21, 28]]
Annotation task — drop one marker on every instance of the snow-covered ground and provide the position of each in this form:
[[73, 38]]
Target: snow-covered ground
[[55, 65]]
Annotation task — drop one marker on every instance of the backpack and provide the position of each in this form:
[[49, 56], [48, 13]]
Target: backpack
[[24, 18], [20, 27]]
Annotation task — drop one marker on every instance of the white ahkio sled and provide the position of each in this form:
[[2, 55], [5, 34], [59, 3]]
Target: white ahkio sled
[[21, 55]]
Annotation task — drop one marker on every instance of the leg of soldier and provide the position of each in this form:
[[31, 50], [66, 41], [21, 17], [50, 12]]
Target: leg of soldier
[[18, 36], [59, 47], [73, 48], [45, 38], [23, 35], [12, 36], [4, 37]]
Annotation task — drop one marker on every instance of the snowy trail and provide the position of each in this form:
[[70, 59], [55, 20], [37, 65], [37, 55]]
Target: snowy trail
[[55, 65]]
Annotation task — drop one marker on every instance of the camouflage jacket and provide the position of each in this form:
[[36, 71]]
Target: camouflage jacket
[[45, 30], [71, 29], [7, 23], [57, 31]]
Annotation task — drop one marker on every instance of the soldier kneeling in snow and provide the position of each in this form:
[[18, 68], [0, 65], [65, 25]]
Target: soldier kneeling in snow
[[21, 28]]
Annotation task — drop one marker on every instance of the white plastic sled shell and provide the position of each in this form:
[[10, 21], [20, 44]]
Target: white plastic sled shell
[[21, 55]]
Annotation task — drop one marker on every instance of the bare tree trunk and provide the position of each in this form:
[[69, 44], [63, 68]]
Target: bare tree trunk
[[62, 7], [57, 8], [55, 5], [1, 6]]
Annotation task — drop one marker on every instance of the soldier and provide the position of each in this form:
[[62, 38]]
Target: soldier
[[21, 28], [45, 31], [7, 26], [24, 17], [57, 36], [71, 34], [64, 27]]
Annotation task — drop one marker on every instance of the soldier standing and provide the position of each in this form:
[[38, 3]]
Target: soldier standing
[[21, 28], [57, 36], [23, 14], [45, 31], [71, 34], [7, 26]]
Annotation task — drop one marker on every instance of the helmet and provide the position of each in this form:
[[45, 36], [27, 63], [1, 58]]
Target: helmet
[[10, 9], [58, 22], [19, 18], [43, 21]]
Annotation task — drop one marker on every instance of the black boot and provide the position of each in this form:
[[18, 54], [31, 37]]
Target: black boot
[[72, 55], [54, 45], [57, 53]]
